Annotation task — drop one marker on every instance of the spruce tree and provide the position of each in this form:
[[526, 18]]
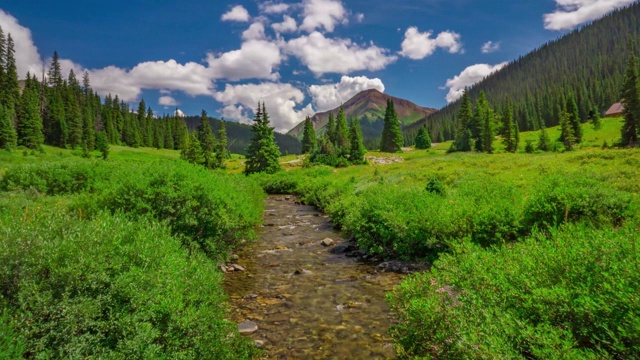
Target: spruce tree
[[29, 127], [207, 141], [463, 140], [148, 141], [221, 153], [263, 152], [72, 111], [8, 136], [194, 152], [11, 87], [508, 130], [544, 143], [423, 139], [574, 118], [3, 57], [566, 131], [478, 121], [357, 150], [55, 122], [631, 100], [102, 144], [331, 129], [342, 142], [309, 141], [594, 118], [487, 131], [391, 133]]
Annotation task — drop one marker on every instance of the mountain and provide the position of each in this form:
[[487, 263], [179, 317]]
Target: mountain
[[239, 135], [369, 106], [588, 63]]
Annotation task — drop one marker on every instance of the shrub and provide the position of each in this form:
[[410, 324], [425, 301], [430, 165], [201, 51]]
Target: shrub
[[109, 287]]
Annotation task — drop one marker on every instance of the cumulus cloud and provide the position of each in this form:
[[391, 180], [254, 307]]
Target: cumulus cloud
[[281, 100], [274, 8], [417, 45], [254, 32], [571, 13], [327, 97], [490, 47], [237, 13], [323, 14], [179, 113], [288, 24], [256, 59], [27, 56], [360, 17], [469, 76], [167, 101], [323, 55]]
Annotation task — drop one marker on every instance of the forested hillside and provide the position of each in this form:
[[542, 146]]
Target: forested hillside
[[240, 136], [588, 63]]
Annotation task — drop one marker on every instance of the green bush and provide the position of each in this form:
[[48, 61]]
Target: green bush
[[567, 295], [560, 198], [209, 210], [110, 287]]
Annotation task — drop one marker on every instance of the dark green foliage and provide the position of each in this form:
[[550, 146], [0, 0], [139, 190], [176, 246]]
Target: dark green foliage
[[8, 136], [221, 153], [544, 143], [574, 118], [594, 119], [10, 87], [358, 150], [528, 147], [391, 134], [631, 99], [55, 122], [568, 294], [331, 129], [29, 127], [263, 154], [464, 140], [566, 132], [309, 140], [102, 144], [342, 141], [207, 141], [509, 137], [434, 186], [423, 139], [73, 112], [193, 151]]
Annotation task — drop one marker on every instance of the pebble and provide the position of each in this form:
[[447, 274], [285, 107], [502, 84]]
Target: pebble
[[327, 242], [259, 343], [237, 267], [247, 327]]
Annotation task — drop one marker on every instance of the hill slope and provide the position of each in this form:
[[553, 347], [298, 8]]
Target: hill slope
[[369, 106], [239, 136], [589, 62]]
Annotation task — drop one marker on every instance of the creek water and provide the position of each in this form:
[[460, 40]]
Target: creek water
[[308, 302]]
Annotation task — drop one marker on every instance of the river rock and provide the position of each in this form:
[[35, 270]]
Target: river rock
[[237, 267], [247, 327], [327, 242], [259, 343]]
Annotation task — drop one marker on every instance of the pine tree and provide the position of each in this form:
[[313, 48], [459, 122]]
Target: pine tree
[[55, 72], [463, 140], [29, 127], [102, 144], [342, 134], [566, 131], [544, 143], [331, 129], [11, 87], [631, 100], [309, 141], [3, 70], [194, 152], [391, 133], [207, 141], [487, 131], [508, 130], [574, 118], [423, 139], [148, 141], [357, 150], [263, 152], [594, 118], [221, 153], [478, 121], [72, 111], [8, 136]]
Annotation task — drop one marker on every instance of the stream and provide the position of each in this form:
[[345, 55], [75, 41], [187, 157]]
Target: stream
[[307, 301]]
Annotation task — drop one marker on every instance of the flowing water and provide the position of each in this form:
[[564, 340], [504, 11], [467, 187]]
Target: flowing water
[[308, 302]]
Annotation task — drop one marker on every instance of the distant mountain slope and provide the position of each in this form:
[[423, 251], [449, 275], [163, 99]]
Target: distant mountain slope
[[239, 136], [369, 106], [590, 62]]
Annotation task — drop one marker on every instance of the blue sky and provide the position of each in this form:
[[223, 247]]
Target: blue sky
[[299, 57]]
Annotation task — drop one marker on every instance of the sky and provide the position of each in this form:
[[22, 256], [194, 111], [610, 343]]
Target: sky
[[298, 56]]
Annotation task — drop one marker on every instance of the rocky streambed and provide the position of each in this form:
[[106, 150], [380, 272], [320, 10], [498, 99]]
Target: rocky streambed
[[298, 295]]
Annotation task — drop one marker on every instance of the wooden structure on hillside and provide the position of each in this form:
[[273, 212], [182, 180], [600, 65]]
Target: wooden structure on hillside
[[615, 110]]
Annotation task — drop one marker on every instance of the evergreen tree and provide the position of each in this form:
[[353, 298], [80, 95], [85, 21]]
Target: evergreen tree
[[221, 153], [463, 140], [594, 119], [207, 141], [8, 136], [342, 133], [478, 122], [631, 100], [148, 140], [29, 127], [357, 150], [423, 139], [574, 118], [544, 143], [11, 87], [309, 141], [55, 123], [167, 131], [508, 130], [391, 133], [141, 117], [194, 152], [263, 152], [487, 131], [55, 72], [3, 57], [72, 111], [331, 129], [102, 144], [566, 131]]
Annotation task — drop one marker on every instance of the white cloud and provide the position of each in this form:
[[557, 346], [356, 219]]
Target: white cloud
[[490, 47], [469, 76], [254, 32], [274, 8], [327, 97], [237, 13], [256, 59], [360, 17], [319, 14], [281, 100], [288, 24], [571, 13], [167, 101], [417, 45], [322, 55], [27, 56], [179, 113]]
